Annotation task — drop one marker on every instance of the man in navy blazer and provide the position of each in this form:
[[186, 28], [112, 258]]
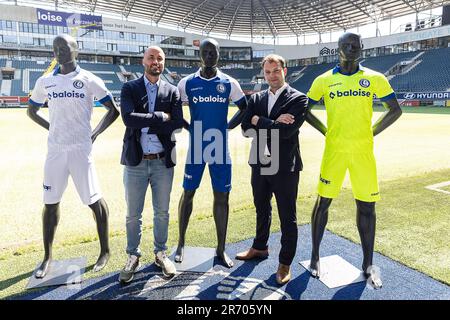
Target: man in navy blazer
[[273, 119], [151, 111]]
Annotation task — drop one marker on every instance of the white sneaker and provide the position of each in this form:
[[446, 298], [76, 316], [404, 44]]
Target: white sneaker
[[167, 266]]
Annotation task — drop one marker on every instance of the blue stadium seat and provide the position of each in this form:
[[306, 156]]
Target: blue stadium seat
[[384, 63], [432, 74]]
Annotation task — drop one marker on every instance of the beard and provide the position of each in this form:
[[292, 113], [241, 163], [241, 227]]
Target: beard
[[153, 71]]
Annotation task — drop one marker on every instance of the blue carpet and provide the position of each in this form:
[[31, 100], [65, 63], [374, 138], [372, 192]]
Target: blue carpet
[[255, 280]]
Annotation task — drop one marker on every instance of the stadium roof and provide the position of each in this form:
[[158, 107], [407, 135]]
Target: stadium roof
[[257, 17]]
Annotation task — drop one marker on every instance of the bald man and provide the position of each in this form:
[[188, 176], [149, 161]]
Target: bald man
[[151, 111]]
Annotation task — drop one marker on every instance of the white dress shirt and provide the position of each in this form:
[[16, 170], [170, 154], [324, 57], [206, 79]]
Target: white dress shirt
[[273, 97]]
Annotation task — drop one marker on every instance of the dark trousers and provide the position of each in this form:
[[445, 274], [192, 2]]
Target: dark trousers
[[284, 185]]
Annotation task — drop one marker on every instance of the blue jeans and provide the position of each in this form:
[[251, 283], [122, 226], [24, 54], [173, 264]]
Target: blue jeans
[[136, 180]]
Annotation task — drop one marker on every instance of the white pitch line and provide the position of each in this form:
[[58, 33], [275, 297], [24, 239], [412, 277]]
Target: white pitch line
[[435, 187]]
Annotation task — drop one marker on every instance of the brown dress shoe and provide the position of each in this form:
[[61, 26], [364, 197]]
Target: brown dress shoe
[[252, 253], [283, 274]]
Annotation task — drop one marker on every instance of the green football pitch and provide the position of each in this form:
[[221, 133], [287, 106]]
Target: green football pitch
[[412, 227]]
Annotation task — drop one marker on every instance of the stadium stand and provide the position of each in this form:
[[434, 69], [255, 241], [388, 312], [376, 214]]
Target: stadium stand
[[308, 75], [384, 63], [432, 73], [182, 72], [408, 72], [244, 75]]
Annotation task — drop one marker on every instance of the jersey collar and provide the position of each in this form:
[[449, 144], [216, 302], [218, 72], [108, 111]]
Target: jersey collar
[[58, 69], [337, 69], [198, 74]]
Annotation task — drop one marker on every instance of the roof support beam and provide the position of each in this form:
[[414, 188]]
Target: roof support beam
[[372, 5], [163, 8], [233, 19], [409, 5], [289, 23], [127, 8], [191, 14], [251, 20], [269, 20], [94, 5], [323, 14], [287, 14], [218, 14], [357, 6], [306, 20]]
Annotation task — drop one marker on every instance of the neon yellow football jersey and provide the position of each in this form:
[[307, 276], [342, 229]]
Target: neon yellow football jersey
[[348, 101]]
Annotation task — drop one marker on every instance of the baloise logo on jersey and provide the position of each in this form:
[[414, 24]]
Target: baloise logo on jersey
[[210, 98], [66, 94], [353, 93], [77, 84], [350, 93]]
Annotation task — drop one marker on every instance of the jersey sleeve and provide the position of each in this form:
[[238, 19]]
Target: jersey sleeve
[[182, 89], [383, 88], [236, 93], [39, 94], [315, 93], [98, 88]]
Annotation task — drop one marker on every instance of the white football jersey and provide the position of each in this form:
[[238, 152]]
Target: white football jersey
[[70, 101]]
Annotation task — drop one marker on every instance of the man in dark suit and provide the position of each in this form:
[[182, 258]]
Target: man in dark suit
[[151, 111], [273, 119]]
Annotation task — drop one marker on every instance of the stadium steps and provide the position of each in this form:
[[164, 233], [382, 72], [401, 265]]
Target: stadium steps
[[26, 80], [415, 62], [165, 77], [5, 89], [96, 72], [258, 87], [120, 76], [123, 71], [122, 68], [296, 75]]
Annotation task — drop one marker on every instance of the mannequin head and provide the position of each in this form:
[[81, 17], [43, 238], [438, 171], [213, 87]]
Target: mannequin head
[[209, 56], [349, 47], [65, 49]]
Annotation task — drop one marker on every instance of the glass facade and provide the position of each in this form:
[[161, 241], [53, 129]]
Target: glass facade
[[27, 34], [101, 45]]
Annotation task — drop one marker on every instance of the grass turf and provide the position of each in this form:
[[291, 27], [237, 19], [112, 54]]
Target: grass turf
[[412, 221]]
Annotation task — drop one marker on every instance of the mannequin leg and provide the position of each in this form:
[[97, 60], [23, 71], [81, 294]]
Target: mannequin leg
[[100, 212], [319, 221], [50, 219], [221, 211], [366, 222], [184, 213]]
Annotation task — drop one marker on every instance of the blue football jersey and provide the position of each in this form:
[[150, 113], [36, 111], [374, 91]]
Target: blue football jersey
[[208, 105], [209, 99]]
